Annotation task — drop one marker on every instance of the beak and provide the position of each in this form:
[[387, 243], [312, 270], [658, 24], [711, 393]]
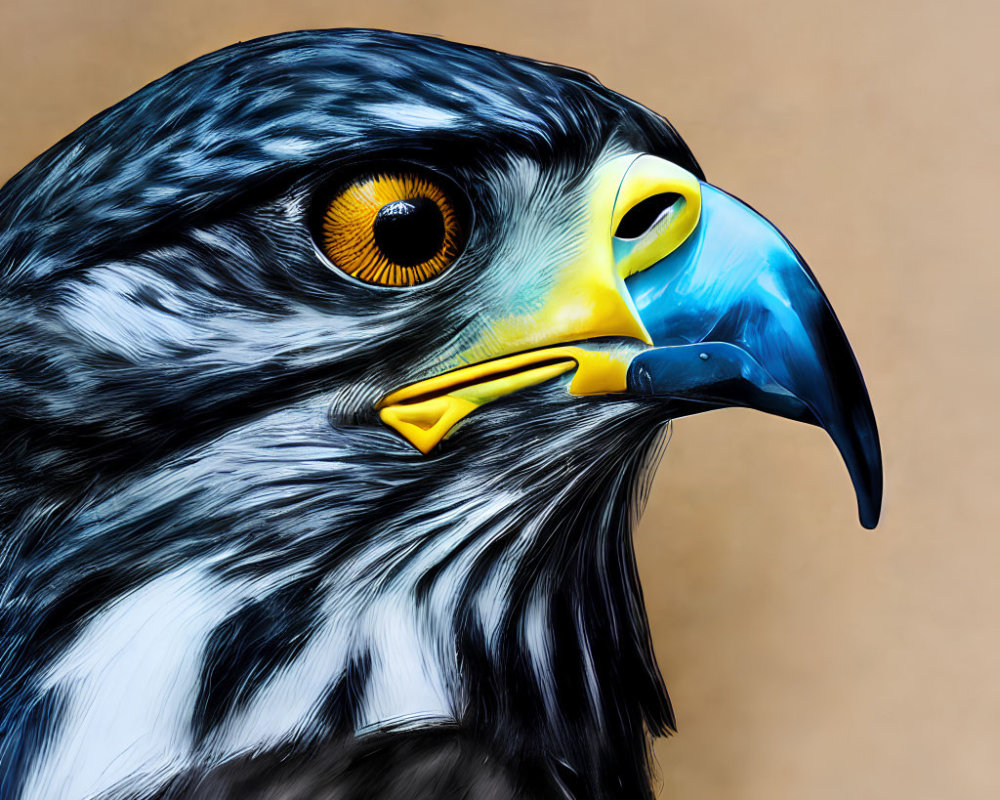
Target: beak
[[737, 319], [710, 305]]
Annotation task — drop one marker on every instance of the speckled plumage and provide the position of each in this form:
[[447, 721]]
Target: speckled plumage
[[197, 499]]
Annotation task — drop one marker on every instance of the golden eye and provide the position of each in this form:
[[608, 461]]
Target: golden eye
[[391, 228]]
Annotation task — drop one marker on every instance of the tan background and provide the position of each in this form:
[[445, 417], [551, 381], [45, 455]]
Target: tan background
[[806, 657]]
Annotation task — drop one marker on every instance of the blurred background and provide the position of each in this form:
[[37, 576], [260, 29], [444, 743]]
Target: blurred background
[[805, 656]]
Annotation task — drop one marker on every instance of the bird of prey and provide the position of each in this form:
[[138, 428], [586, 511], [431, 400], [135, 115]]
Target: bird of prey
[[332, 369]]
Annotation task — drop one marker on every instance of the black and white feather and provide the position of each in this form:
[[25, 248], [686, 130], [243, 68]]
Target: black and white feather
[[222, 577]]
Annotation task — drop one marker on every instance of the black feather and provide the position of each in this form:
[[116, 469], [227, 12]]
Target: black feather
[[186, 393]]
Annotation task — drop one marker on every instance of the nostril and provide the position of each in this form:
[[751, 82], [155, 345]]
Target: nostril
[[644, 214]]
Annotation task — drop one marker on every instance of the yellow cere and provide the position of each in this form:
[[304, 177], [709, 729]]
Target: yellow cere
[[586, 300], [348, 228], [647, 176]]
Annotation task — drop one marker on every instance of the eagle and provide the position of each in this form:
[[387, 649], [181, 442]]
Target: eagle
[[334, 367]]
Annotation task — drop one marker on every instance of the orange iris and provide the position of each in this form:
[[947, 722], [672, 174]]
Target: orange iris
[[391, 229]]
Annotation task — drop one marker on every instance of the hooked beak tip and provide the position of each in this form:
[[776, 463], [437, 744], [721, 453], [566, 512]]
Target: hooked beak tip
[[740, 320]]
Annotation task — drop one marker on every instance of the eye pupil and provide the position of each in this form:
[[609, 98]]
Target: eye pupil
[[409, 232], [391, 228]]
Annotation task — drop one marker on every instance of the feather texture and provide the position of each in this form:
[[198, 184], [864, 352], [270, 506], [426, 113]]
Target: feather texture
[[219, 570]]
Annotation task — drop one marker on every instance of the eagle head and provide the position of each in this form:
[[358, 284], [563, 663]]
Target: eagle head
[[332, 368]]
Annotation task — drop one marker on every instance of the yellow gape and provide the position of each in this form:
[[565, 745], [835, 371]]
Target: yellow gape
[[588, 300]]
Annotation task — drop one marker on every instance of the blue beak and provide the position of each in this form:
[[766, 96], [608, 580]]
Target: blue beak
[[739, 320]]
